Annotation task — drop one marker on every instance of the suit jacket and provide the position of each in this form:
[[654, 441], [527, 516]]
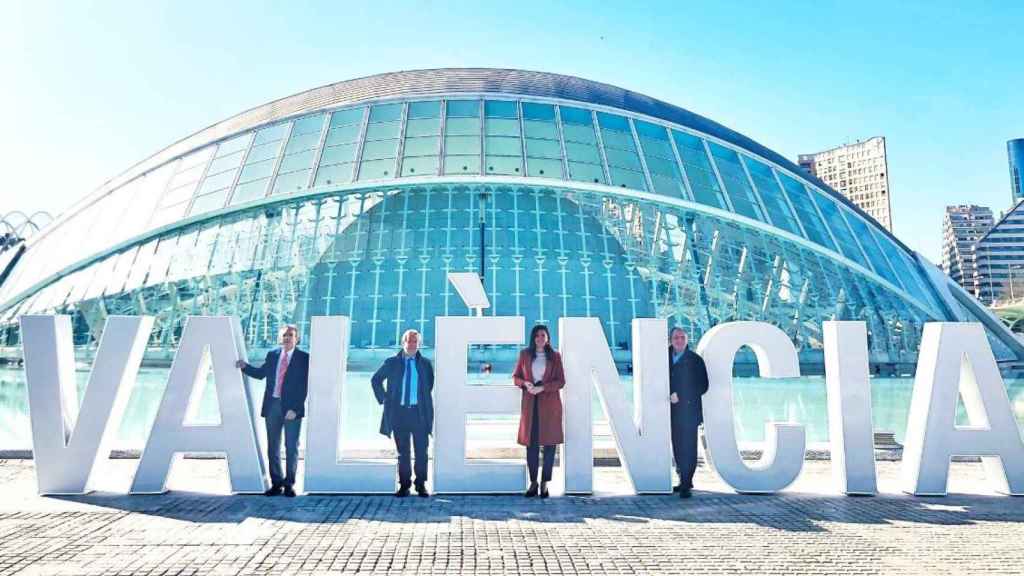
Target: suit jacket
[[392, 371], [688, 378], [549, 402], [296, 381]]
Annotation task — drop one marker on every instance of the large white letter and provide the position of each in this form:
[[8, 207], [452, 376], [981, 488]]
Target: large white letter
[[642, 439], [326, 471], [454, 399], [849, 407], [783, 455], [204, 340], [951, 353], [65, 442]]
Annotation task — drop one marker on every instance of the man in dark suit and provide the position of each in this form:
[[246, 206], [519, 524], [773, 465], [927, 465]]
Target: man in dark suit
[[286, 370], [688, 381], [408, 409]]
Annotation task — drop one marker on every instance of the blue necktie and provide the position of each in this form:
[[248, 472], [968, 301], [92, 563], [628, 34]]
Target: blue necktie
[[406, 383]]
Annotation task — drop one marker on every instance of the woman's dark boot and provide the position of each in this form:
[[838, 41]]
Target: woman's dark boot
[[543, 489], [531, 491]]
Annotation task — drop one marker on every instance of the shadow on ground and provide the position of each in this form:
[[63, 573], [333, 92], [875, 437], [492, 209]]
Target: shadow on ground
[[788, 512]]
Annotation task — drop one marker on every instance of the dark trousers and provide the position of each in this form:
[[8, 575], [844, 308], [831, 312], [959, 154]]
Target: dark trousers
[[684, 445], [275, 424], [533, 450], [409, 429]]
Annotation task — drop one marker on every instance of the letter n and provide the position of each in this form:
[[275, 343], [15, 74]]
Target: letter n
[[642, 438]]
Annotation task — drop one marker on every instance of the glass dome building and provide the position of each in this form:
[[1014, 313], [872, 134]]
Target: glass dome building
[[570, 197]]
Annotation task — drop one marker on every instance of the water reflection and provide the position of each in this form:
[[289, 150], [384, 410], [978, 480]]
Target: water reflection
[[757, 401]]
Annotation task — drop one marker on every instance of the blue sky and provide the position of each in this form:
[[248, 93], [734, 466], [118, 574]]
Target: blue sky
[[91, 88]]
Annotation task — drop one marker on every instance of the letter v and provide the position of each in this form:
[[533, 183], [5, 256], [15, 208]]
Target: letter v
[[66, 441]]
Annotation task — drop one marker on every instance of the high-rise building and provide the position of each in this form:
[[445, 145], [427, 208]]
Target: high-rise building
[[962, 227], [999, 256], [1015, 154], [858, 171]]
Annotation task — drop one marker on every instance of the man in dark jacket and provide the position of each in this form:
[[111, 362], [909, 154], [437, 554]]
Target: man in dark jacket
[[286, 370], [408, 409], [688, 380]]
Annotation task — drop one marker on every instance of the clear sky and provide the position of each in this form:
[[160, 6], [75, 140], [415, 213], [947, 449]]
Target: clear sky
[[90, 88]]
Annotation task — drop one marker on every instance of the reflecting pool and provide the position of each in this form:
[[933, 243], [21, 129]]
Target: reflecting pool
[[756, 401]]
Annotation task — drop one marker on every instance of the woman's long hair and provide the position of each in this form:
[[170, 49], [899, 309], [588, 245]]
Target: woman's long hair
[[549, 352]]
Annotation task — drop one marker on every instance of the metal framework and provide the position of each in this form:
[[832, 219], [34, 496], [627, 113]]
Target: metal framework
[[619, 249]]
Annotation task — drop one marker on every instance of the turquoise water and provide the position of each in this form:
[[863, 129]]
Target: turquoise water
[[756, 401]]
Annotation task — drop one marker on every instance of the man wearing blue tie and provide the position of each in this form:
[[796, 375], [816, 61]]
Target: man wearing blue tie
[[408, 409]]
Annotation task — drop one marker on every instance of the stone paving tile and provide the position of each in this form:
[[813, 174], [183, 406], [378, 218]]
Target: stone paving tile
[[807, 530]]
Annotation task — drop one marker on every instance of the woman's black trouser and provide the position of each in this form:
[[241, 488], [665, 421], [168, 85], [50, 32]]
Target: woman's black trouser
[[533, 450]]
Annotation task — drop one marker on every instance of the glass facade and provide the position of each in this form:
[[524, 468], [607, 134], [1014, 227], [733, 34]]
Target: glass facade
[[1015, 156], [362, 209], [382, 257]]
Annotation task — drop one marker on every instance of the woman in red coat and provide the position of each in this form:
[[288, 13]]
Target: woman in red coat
[[539, 373]]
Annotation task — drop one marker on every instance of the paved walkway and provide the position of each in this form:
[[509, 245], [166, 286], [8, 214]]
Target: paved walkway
[[806, 530]]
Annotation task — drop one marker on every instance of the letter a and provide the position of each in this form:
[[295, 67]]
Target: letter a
[[235, 436], [951, 353]]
